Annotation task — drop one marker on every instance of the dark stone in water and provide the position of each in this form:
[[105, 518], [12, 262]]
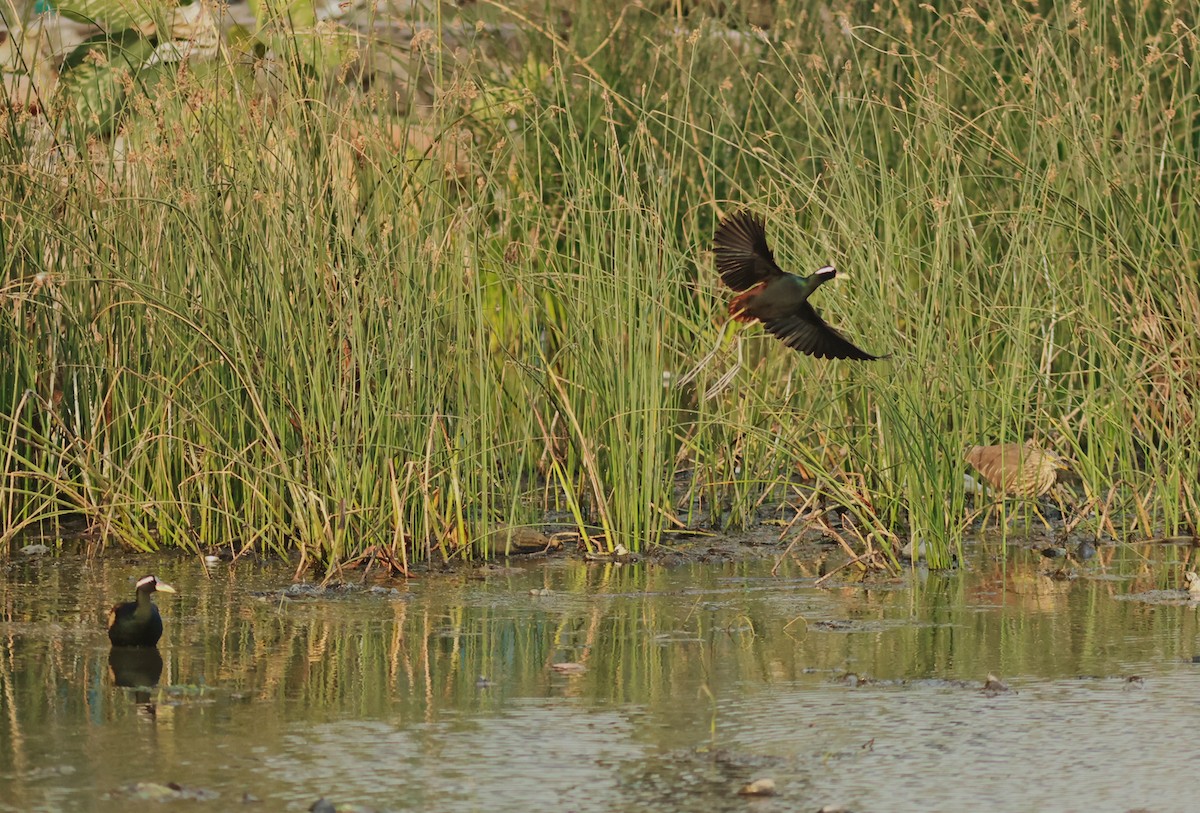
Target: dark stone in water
[[1051, 512], [323, 805], [994, 685], [303, 589], [387, 592]]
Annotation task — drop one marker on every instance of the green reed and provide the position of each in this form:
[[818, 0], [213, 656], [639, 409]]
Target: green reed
[[323, 326]]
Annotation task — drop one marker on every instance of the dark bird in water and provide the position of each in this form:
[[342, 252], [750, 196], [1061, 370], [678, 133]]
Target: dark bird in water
[[768, 294], [137, 623]]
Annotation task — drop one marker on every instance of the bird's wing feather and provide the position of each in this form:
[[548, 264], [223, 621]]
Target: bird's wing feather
[[743, 257], [806, 331]]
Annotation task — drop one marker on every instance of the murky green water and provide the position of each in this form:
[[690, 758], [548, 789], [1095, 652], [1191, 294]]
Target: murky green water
[[697, 679]]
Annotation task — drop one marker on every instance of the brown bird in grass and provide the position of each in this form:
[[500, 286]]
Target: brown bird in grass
[[1017, 469], [768, 294]]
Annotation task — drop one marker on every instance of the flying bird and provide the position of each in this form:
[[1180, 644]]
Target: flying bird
[[768, 294]]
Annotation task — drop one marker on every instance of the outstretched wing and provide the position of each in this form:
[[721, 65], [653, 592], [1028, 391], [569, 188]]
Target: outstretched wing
[[807, 332], [743, 257]]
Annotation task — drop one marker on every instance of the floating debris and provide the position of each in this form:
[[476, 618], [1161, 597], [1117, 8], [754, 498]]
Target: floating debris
[[307, 590], [1192, 581], [323, 805], [169, 792], [835, 625], [618, 554], [569, 668], [759, 787], [488, 569], [994, 685]]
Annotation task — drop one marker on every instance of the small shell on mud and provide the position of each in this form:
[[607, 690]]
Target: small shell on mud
[[1193, 582], [759, 787], [620, 553]]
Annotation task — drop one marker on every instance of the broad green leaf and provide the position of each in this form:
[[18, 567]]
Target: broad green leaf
[[145, 16], [101, 74]]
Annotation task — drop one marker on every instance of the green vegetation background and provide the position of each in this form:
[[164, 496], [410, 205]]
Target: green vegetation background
[[275, 309]]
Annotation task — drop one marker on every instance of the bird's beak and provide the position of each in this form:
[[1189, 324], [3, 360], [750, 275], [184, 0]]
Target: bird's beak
[[163, 587]]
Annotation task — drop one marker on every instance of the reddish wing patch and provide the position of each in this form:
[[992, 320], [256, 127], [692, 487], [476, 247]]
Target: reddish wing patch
[[740, 303]]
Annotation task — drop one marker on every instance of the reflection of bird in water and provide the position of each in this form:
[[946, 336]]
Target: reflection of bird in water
[[137, 623], [1017, 469], [137, 667], [768, 294]]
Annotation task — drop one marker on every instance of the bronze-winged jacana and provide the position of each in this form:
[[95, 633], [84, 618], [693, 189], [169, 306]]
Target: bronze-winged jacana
[[137, 623], [768, 294]]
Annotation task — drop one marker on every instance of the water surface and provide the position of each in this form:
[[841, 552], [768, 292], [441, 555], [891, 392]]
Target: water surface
[[442, 694]]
